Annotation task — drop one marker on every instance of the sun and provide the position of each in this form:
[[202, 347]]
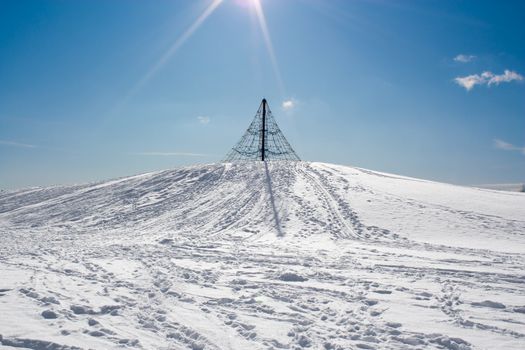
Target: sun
[[247, 3]]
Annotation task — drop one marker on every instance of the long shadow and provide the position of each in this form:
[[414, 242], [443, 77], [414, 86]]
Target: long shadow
[[272, 202]]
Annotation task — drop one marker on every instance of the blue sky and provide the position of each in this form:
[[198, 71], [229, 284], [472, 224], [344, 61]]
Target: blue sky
[[91, 90]]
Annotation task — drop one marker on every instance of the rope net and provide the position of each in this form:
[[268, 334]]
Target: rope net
[[262, 142]]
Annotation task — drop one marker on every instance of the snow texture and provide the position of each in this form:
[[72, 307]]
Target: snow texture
[[282, 255]]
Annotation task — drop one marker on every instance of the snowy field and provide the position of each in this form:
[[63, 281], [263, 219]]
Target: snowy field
[[505, 187], [262, 256]]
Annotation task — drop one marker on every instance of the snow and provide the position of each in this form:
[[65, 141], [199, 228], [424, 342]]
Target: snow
[[520, 187], [277, 255]]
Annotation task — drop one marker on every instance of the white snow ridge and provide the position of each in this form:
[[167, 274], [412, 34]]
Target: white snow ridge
[[276, 255]]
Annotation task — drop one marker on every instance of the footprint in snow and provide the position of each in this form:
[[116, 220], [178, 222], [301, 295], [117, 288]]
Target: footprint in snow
[[394, 324], [49, 314], [292, 277], [81, 310], [92, 322], [370, 302], [520, 310], [96, 334], [381, 291], [489, 303]]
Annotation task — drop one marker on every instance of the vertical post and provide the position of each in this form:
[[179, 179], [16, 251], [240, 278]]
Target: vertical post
[[263, 131]]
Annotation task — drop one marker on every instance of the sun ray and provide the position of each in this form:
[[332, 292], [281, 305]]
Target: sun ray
[[180, 41], [268, 42], [170, 52]]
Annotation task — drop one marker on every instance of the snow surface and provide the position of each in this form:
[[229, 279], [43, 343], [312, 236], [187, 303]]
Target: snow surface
[[282, 255], [505, 187]]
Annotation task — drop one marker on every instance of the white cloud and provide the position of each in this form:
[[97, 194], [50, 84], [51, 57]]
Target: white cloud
[[16, 144], [203, 120], [500, 144], [469, 81], [170, 154], [506, 77], [464, 58], [288, 105], [487, 78]]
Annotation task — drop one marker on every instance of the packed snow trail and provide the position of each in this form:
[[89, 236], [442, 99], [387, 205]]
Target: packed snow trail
[[277, 255]]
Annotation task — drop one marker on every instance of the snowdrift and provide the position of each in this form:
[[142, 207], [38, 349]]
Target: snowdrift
[[256, 255]]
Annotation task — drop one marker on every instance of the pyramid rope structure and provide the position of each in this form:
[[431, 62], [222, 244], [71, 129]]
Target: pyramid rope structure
[[262, 141]]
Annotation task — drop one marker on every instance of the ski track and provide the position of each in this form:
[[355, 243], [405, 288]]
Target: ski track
[[283, 255]]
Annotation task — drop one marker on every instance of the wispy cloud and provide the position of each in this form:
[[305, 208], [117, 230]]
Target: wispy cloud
[[500, 144], [16, 144], [464, 58], [470, 81], [289, 104], [203, 120], [506, 77], [487, 78], [170, 154]]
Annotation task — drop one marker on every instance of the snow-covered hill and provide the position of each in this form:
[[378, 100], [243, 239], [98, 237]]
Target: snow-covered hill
[[520, 187], [281, 255]]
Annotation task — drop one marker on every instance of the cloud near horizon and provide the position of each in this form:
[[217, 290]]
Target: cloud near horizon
[[464, 58], [505, 146], [487, 78], [16, 144]]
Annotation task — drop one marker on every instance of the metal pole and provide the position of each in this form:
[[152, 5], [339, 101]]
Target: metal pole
[[263, 131]]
